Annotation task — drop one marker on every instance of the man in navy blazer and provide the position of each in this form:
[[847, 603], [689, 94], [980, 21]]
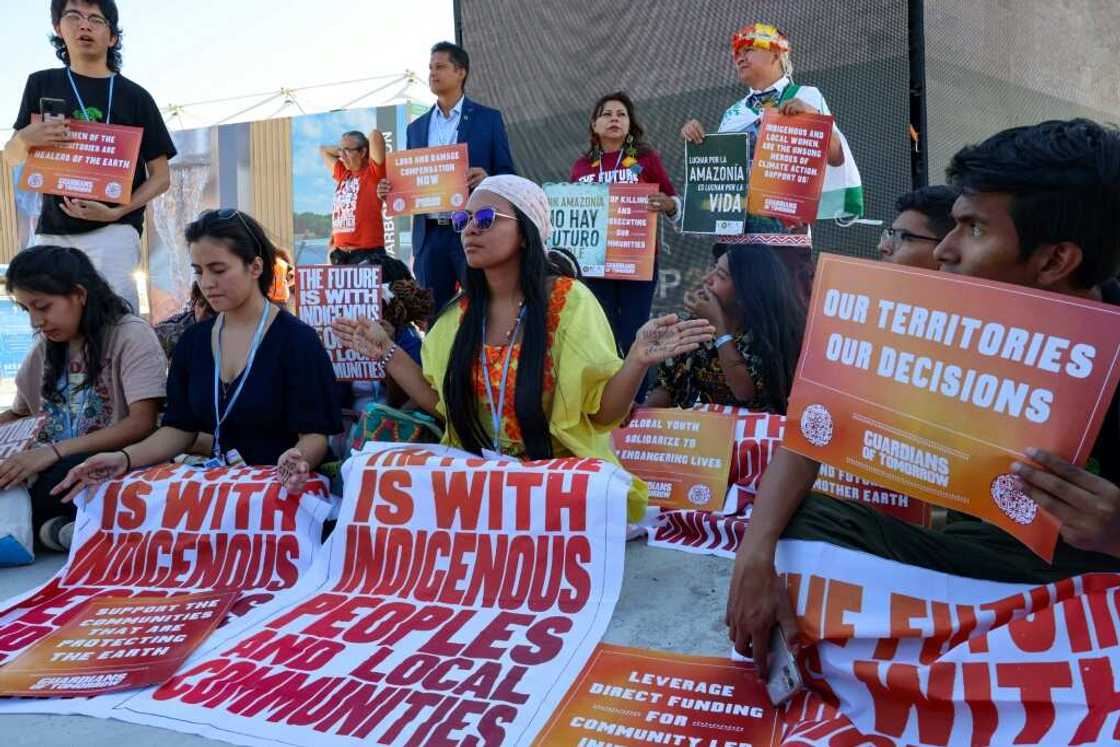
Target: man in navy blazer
[[438, 259]]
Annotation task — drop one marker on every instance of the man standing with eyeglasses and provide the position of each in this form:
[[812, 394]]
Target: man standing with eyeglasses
[[925, 216], [438, 259], [87, 38]]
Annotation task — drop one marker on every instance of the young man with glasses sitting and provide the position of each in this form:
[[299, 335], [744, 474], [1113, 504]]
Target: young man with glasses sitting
[[87, 38], [925, 216]]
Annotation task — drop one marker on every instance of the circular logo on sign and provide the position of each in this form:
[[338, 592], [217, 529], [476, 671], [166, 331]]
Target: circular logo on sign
[[699, 495], [35, 180], [113, 190], [457, 199], [816, 425], [398, 205], [1012, 500]]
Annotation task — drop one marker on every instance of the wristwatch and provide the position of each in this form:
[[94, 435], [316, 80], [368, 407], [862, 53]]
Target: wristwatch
[[723, 339]]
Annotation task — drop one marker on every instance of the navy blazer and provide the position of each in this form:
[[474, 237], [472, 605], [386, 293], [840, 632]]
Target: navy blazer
[[484, 132]]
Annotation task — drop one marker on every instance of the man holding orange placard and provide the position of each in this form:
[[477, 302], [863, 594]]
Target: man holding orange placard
[[1038, 210]]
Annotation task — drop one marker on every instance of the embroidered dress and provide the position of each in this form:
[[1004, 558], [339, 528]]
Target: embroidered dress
[[581, 359]]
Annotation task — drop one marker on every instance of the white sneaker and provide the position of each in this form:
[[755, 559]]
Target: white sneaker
[[57, 533]]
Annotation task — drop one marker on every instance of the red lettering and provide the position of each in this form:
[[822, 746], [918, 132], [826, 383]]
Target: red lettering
[[1035, 680]]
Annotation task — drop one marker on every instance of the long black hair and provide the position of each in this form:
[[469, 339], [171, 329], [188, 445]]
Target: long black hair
[[636, 138], [108, 9], [771, 312], [458, 383], [244, 236], [61, 271]]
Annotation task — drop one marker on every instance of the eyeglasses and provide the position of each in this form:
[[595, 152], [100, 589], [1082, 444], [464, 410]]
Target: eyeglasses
[[483, 218], [897, 236], [229, 214], [344, 149], [76, 17]]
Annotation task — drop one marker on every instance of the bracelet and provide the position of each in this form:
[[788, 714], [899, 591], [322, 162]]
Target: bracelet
[[57, 453], [384, 360], [723, 340], [127, 461]]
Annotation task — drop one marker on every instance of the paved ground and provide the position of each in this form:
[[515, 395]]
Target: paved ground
[[670, 601]]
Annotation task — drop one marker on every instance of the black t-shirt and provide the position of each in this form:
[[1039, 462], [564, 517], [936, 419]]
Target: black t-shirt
[[132, 105], [290, 390]]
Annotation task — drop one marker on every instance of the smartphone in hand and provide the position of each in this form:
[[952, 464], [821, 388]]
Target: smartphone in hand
[[52, 109], [784, 679]]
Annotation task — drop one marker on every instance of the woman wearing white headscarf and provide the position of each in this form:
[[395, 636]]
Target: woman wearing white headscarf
[[523, 363]]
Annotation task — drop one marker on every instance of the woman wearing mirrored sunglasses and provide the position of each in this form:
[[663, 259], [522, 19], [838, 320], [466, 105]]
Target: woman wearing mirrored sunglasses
[[617, 152], [523, 363], [255, 378]]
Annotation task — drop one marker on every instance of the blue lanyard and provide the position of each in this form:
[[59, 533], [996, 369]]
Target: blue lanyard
[[496, 414], [82, 104], [220, 416], [67, 408]]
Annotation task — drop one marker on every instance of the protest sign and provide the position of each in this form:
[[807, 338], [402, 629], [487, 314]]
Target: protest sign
[[98, 163], [683, 455], [936, 399], [165, 531], [579, 214], [715, 189], [328, 292], [633, 696], [788, 170], [906, 655], [426, 180], [18, 435], [455, 602], [846, 486], [607, 227], [757, 437], [115, 644]]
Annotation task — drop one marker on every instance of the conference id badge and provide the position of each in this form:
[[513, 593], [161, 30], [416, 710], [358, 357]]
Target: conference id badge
[[234, 458], [212, 463]]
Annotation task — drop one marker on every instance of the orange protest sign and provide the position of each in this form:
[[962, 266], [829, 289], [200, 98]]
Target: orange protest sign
[[848, 487], [426, 180], [932, 384], [116, 643], [790, 160], [328, 292], [631, 232], [97, 164], [632, 696], [683, 455]]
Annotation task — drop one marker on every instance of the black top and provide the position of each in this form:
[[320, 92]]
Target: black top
[[132, 105], [290, 390]]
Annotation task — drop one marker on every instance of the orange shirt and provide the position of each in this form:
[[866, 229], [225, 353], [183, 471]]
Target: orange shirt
[[356, 221]]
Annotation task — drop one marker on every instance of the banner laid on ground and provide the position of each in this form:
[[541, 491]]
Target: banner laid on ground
[[18, 435], [913, 656], [115, 644], [789, 166], [328, 292], [165, 531], [426, 180], [455, 602], [633, 696], [608, 228], [98, 163], [684, 456], [715, 199], [937, 398], [757, 436]]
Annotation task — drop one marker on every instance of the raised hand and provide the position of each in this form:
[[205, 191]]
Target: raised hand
[[693, 131], [364, 335], [91, 473], [667, 336]]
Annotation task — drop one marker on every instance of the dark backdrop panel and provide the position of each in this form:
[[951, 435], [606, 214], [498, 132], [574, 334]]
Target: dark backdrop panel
[[1003, 63], [544, 64]]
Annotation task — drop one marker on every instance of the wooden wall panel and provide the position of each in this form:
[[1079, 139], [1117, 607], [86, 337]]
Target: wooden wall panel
[[9, 233], [270, 147]]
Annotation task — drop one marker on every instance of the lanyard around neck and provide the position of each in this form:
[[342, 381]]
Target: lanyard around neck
[[219, 414], [72, 425], [496, 413], [82, 104]]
